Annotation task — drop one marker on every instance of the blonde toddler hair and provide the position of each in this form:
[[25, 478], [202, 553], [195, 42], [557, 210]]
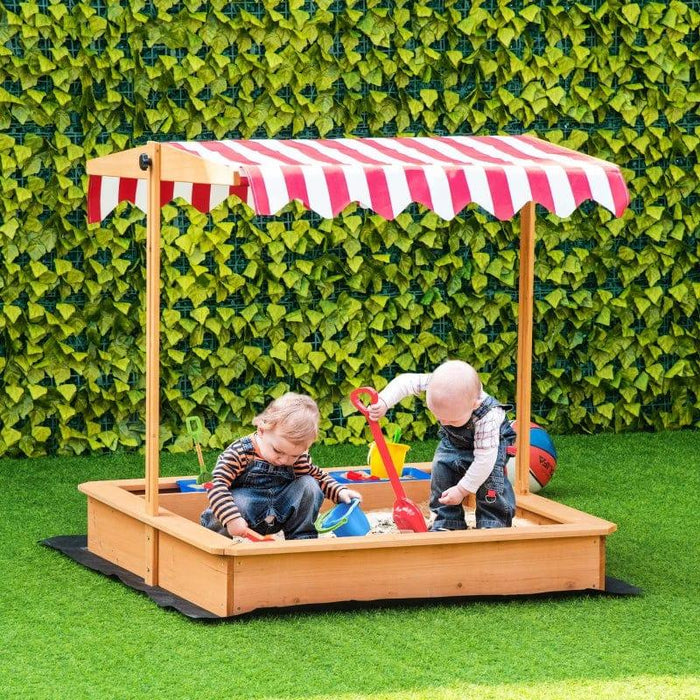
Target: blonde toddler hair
[[294, 416]]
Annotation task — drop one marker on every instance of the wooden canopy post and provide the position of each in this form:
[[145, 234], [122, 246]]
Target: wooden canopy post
[[152, 356], [524, 369], [152, 328]]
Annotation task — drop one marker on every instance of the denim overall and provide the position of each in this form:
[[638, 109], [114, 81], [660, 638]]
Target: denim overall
[[272, 499], [495, 499]]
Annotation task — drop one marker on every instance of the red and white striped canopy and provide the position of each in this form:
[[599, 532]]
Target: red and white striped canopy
[[499, 173]]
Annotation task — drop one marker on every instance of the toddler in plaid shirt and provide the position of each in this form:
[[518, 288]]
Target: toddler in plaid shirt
[[471, 455]]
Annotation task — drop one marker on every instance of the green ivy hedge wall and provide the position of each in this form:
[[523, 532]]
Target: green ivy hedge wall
[[252, 306]]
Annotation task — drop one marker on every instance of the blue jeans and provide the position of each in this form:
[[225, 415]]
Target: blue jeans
[[272, 499], [495, 499]]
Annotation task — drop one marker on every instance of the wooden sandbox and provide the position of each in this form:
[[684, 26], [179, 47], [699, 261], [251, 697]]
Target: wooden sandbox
[[150, 529], [559, 549]]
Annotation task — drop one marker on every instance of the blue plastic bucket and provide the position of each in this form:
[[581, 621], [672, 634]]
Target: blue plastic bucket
[[344, 520]]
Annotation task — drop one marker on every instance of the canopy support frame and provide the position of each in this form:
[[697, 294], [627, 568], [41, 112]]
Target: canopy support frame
[[524, 359], [523, 377], [152, 357]]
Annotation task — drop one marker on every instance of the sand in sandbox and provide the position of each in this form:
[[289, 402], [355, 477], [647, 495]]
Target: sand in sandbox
[[381, 522]]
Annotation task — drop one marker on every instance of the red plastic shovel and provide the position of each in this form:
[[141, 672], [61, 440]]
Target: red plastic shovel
[[407, 515], [360, 476], [257, 537]]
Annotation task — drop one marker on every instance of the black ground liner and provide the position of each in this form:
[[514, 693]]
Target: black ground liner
[[75, 547]]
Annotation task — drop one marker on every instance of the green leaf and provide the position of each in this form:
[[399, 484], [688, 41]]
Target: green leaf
[[279, 351], [41, 433], [10, 436], [251, 269], [36, 391], [530, 12], [276, 312], [251, 353], [606, 409], [631, 12], [317, 359], [14, 392], [429, 97], [555, 297]]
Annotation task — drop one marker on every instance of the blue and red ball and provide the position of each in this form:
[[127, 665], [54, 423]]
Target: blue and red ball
[[543, 458]]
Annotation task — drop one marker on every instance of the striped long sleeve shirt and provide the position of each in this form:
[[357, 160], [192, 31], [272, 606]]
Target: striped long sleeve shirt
[[234, 460]]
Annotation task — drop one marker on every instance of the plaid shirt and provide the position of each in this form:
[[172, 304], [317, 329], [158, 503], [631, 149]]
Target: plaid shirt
[[486, 428]]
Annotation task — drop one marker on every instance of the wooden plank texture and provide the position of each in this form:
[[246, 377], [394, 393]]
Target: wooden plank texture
[[177, 166], [116, 537], [188, 505], [497, 568], [153, 331], [123, 164], [151, 542], [133, 507], [197, 576], [526, 288], [575, 524], [567, 552]]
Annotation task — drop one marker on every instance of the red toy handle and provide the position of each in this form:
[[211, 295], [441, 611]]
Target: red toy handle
[[378, 436], [355, 398], [257, 537]]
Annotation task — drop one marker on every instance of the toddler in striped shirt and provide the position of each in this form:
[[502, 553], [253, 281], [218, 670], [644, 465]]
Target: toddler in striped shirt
[[267, 481], [471, 455]]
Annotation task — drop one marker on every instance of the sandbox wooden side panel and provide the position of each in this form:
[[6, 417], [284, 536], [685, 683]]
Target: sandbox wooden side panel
[[116, 537], [380, 495], [493, 568], [188, 505], [197, 576]]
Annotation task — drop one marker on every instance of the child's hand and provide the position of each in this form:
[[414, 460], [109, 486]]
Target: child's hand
[[346, 495], [453, 496], [237, 527], [377, 410]]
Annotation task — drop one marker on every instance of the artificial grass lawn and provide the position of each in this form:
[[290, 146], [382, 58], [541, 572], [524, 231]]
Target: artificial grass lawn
[[69, 632]]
